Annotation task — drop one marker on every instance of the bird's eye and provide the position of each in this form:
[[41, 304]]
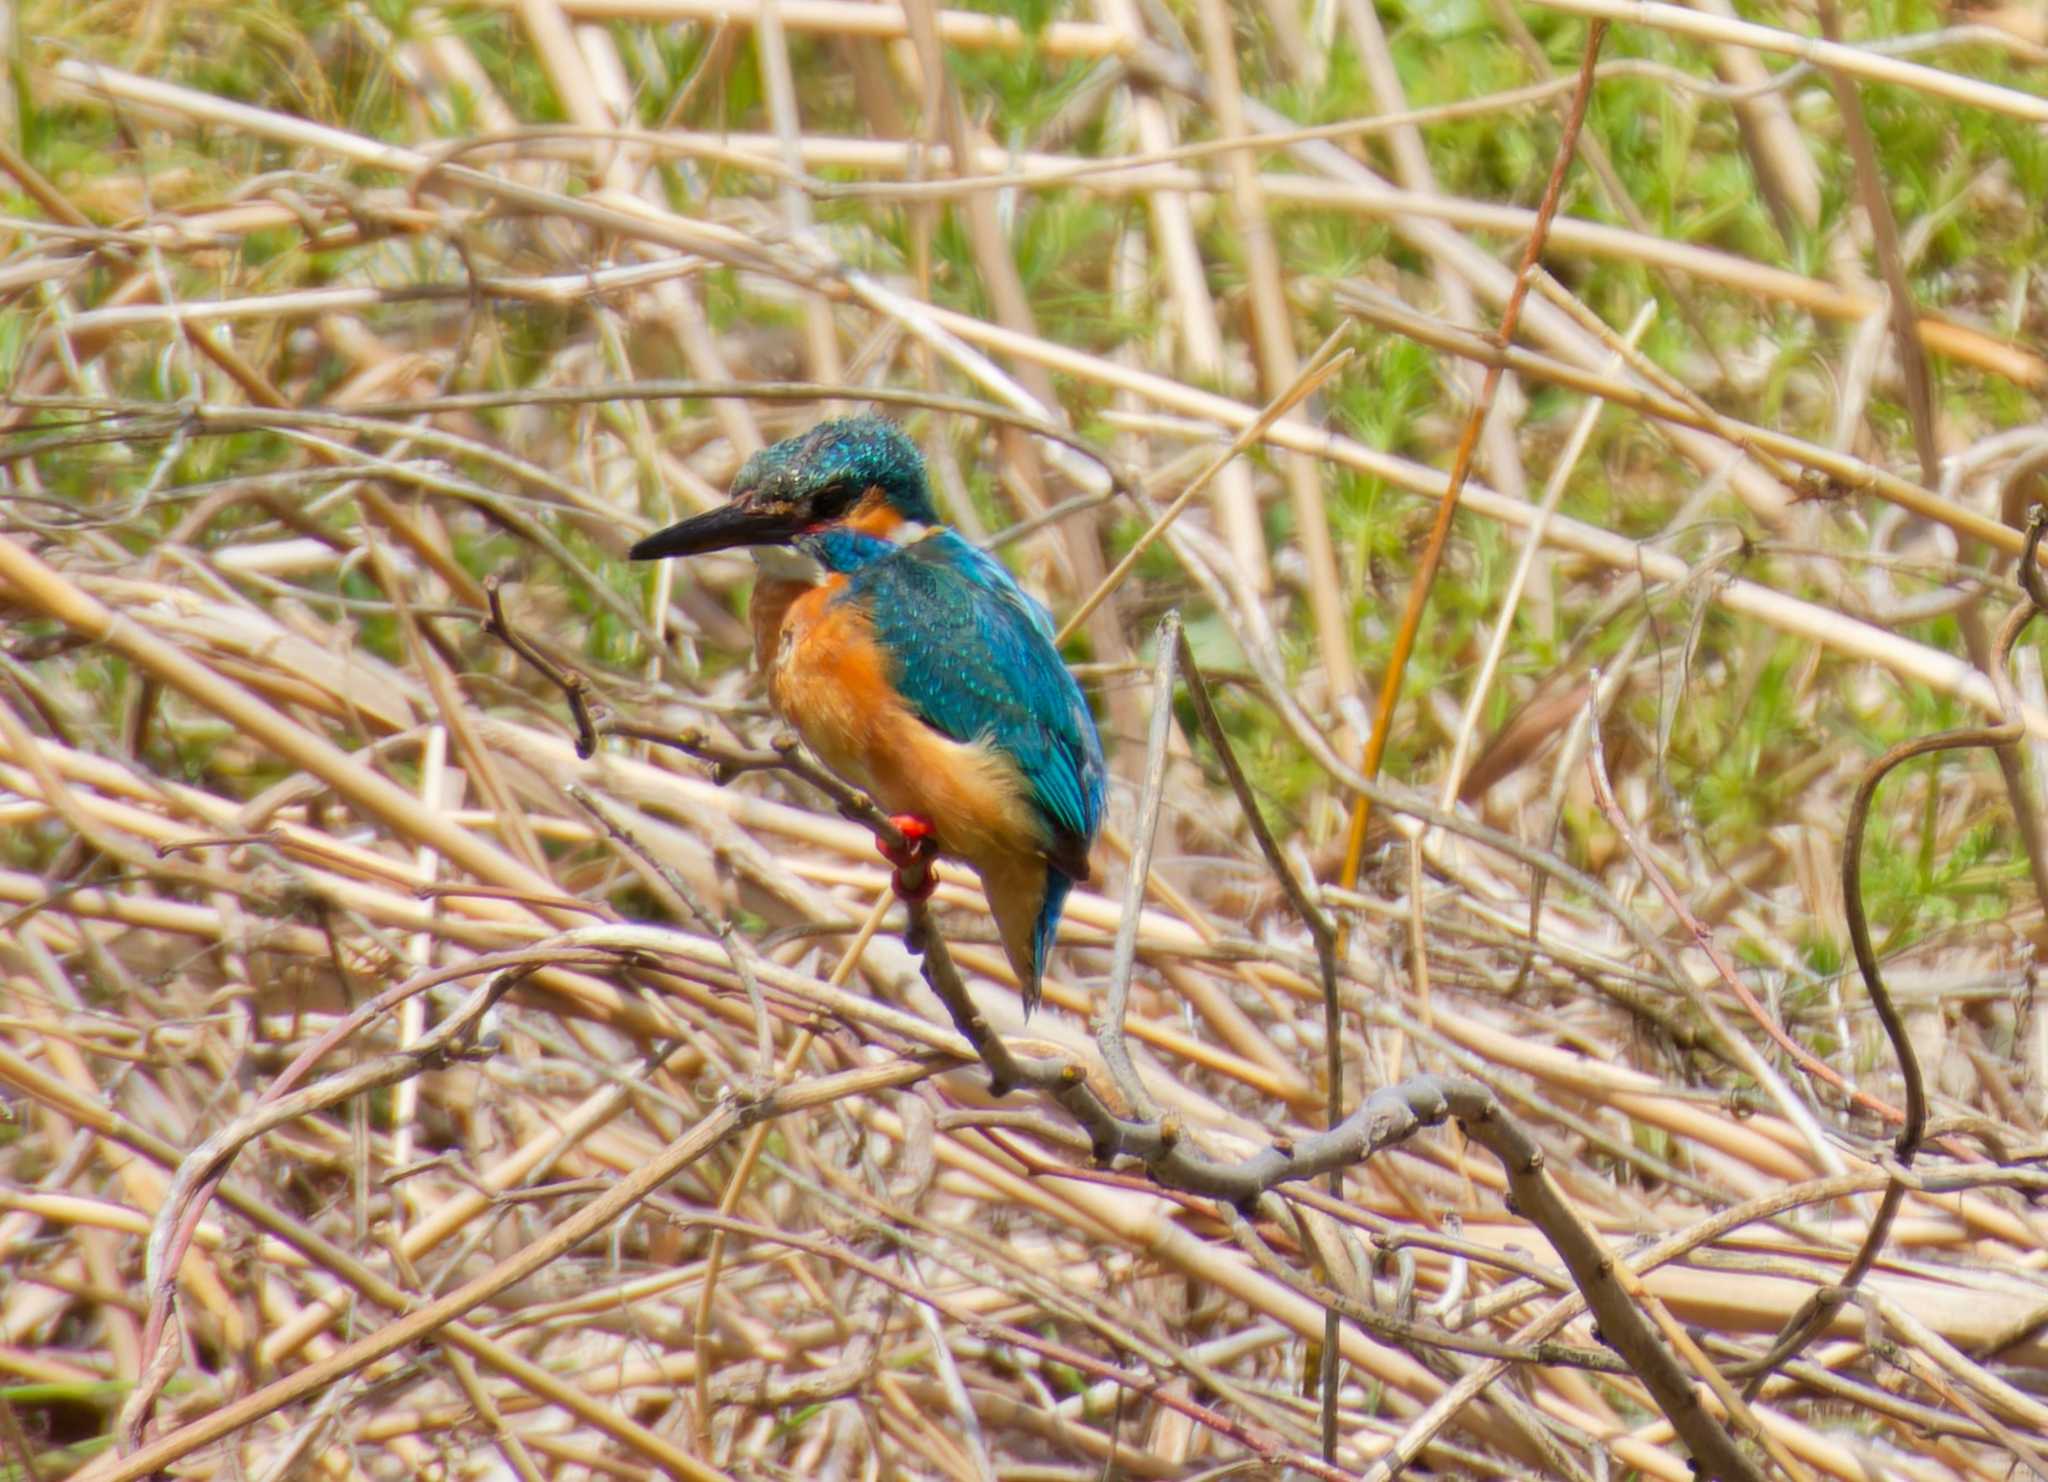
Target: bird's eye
[[835, 497]]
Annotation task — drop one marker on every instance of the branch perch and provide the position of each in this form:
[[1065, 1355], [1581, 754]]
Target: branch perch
[[1159, 1143]]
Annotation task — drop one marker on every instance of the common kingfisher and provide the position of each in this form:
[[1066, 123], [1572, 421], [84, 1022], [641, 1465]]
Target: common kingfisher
[[915, 667]]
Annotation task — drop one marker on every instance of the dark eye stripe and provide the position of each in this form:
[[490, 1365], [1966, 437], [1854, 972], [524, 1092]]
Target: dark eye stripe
[[836, 498]]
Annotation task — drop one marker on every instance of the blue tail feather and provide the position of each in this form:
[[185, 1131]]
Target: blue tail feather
[[1057, 883]]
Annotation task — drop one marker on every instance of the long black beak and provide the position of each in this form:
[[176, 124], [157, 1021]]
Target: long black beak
[[719, 530]]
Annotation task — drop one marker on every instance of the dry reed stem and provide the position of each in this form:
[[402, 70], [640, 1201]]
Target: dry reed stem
[[1849, 61]]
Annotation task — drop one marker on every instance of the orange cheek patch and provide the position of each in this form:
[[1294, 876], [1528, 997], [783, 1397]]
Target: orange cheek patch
[[872, 516]]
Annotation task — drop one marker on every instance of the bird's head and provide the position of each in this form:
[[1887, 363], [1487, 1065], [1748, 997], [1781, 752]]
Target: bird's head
[[859, 474]]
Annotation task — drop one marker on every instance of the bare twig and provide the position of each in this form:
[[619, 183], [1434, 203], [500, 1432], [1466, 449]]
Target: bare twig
[[738, 950], [592, 718], [1622, 1323], [1325, 937]]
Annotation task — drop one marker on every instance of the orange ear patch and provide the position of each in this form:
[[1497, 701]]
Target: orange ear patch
[[873, 516]]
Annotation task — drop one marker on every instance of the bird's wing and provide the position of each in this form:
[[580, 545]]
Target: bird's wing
[[973, 659]]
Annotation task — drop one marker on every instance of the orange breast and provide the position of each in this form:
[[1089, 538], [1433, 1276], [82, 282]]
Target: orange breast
[[827, 678]]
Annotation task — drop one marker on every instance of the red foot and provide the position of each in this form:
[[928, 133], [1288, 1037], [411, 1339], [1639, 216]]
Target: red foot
[[915, 879], [916, 840]]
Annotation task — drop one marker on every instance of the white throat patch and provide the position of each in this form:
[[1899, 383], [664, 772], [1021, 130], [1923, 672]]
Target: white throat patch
[[786, 563]]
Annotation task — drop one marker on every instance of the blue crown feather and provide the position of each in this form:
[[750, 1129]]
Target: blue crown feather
[[852, 453]]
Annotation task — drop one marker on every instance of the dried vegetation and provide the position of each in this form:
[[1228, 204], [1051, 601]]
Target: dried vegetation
[[584, 1115]]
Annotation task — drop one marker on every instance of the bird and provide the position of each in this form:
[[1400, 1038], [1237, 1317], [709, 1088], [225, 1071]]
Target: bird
[[915, 668]]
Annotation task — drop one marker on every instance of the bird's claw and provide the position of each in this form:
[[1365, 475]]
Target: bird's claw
[[915, 879]]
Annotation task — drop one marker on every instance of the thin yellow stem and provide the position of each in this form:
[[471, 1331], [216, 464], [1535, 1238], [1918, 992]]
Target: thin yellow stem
[[1461, 464]]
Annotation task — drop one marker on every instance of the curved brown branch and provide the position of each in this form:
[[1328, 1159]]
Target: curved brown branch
[[1813, 1315]]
